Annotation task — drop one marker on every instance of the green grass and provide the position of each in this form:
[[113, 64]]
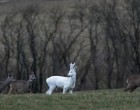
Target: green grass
[[85, 100]]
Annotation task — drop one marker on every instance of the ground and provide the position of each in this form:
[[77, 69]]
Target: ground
[[84, 100]]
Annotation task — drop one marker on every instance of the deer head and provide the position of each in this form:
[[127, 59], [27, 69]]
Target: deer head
[[10, 79], [72, 71], [32, 77], [5, 83]]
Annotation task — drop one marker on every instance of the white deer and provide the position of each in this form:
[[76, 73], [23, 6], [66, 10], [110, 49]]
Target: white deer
[[66, 83]]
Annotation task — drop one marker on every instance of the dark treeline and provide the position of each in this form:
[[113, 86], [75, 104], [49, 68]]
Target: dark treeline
[[102, 38]]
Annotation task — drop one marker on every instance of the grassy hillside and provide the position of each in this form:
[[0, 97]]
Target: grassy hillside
[[86, 100]]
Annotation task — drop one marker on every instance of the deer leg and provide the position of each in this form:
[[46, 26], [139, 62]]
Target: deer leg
[[10, 91], [132, 89], [64, 90], [128, 88], [71, 91], [51, 88], [49, 92]]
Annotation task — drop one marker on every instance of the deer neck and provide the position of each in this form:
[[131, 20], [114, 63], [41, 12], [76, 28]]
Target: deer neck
[[30, 82], [73, 79], [4, 84]]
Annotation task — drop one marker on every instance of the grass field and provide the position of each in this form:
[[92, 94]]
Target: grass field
[[85, 100]]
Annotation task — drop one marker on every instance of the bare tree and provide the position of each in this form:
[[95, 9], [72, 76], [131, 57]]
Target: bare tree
[[7, 29]]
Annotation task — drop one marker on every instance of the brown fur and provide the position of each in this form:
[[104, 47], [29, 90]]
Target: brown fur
[[5, 84], [133, 81], [21, 86]]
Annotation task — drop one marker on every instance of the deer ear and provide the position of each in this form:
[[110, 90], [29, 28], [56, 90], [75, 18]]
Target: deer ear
[[13, 75], [9, 75], [70, 65], [28, 72], [32, 73], [73, 64]]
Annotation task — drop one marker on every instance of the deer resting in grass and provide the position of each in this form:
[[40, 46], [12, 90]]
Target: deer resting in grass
[[133, 82], [22, 86], [66, 83], [4, 84]]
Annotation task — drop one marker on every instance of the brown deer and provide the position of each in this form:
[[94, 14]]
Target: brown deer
[[22, 86], [133, 81], [3, 84]]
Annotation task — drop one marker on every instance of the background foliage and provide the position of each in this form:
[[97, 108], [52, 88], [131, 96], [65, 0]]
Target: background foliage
[[103, 38]]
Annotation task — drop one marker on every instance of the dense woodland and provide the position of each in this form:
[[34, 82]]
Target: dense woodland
[[102, 38]]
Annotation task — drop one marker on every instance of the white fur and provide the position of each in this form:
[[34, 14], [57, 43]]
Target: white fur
[[66, 83]]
